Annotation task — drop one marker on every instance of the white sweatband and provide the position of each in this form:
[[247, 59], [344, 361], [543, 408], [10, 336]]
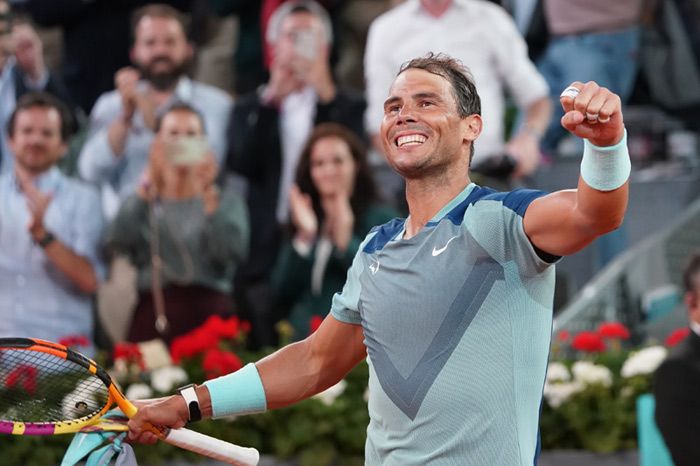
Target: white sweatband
[[240, 392], [606, 168]]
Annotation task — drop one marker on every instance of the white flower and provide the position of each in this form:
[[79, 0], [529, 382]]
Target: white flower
[[558, 393], [591, 374], [329, 395], [164, 379], [644, 361], [557, 372], [81, 401], [139, 391]]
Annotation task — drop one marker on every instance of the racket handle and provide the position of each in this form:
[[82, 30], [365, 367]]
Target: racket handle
[[212, 447]]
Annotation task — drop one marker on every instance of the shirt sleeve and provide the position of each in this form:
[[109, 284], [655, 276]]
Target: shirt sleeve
[[524, 82], [89, 226], [496, 222], [216, 109], [97, 160], [345, 305], [378, 76]]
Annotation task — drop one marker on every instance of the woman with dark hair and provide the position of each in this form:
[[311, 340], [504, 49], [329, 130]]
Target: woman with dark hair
[[333, 204]]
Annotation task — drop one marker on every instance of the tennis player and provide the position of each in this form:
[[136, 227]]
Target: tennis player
[[453, 305]]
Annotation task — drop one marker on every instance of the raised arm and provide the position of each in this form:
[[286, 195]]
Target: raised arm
[[291, 374], [564, 222]]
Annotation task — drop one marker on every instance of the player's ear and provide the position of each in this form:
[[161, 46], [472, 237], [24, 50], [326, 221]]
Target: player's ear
[[471, 127]]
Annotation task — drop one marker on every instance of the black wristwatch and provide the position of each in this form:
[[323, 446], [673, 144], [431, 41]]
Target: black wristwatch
[[189, 393], [45, 240]]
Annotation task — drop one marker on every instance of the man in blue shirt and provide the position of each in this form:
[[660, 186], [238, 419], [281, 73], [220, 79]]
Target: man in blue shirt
[[49, 231], [122, 121], [452, 306]]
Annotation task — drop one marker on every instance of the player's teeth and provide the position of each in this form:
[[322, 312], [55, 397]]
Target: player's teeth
[[412, 139]]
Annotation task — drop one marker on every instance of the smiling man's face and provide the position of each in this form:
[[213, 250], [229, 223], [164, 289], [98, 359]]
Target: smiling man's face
[[422, 131]]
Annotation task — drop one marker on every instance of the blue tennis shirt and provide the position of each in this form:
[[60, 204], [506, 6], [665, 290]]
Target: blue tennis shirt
[[457, 324]]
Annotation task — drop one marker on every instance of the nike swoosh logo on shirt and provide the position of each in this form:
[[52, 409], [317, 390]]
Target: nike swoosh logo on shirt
[[437, 252]]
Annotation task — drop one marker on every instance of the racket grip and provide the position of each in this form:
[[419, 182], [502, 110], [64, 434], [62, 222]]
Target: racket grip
[[212, 447]]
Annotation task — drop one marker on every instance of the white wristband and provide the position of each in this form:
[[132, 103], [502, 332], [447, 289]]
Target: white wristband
[[606, 168]]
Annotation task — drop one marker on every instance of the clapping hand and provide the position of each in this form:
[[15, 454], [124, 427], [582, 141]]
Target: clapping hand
[[126, 82], [37, 202], [303, 216], [340, 220]]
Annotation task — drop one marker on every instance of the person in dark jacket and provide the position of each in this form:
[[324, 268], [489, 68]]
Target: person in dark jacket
[[267, 132], [334, 204], [677, 381]]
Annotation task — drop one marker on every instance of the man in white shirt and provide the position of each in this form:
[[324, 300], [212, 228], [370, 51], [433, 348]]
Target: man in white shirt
[[50, 226], [122, 121], [484, 37]]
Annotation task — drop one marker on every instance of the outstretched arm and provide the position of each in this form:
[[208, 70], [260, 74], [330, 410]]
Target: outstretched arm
[[565, 222], [291, 374]]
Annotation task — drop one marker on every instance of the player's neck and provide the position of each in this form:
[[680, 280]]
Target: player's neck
[[425, 199]]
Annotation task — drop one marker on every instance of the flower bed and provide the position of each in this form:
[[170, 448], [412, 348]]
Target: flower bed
[[590, 392], [591, 388]]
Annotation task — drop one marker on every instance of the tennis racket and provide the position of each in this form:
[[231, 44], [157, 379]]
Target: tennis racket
[[48, 389]]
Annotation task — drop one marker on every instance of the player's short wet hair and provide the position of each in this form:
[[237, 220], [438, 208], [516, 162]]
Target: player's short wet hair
[[459, 77]]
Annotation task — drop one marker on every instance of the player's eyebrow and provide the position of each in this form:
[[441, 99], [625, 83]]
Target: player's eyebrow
[[417, 96], [391, 100]]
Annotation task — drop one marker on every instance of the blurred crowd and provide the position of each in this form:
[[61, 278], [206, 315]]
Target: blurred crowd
[[180, 159]]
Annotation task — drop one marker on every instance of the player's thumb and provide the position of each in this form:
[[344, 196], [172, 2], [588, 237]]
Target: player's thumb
[[575, 123]]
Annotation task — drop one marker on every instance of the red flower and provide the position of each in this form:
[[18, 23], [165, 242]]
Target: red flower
[[217, 363], [74, 340], [612, 330], [126, 350], [590, 342], [245, 326], [315, 323], [220, 328], [564, 336], [677, 336], [24, 375], [191, 344]]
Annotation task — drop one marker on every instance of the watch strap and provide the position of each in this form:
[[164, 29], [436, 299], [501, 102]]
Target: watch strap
[[45, 240], [189, 393]]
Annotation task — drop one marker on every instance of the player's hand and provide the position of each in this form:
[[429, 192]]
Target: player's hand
[[594, 113], [29, 51], [165, 412]]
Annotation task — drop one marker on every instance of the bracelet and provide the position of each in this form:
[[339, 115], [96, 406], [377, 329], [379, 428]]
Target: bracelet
[[240, 392], [189, 393], [606, 168], [45, 240]]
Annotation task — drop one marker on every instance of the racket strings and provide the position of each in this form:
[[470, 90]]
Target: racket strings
[[38, 387]]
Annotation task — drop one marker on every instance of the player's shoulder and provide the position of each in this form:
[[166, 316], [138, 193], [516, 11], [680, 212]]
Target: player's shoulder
[[517, 200]]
